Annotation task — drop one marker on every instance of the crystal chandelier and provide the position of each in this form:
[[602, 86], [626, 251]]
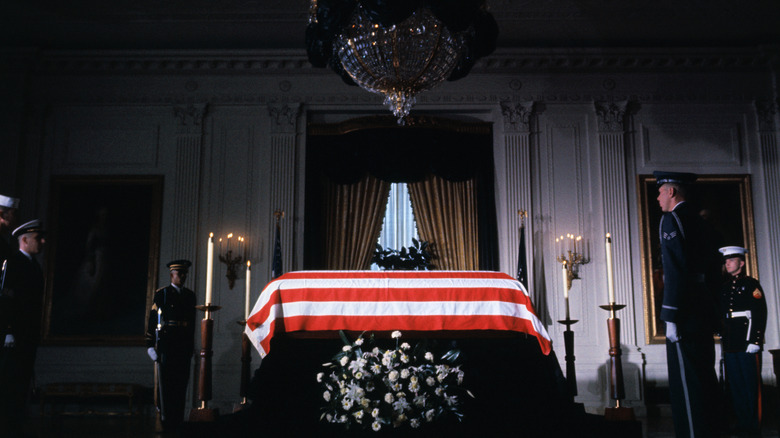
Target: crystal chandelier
[[399, 48]]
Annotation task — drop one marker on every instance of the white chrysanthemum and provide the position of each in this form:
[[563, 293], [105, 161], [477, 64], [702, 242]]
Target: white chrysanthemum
[[376, 426], [429, 356], [430, 381], [365, 402], [343, 419], [358, 414], [430, 415], [376, 368], [405, 346], [389, 398], [401, 404], [396, 334], [326, 396], [414, 386], [439, 391], [393, 375], [358, 375], [346, 348], [415, 423], [405, 373], [344, 360], [419, 400], [359, 341], [405, 358], [396, 386], [375, 412], [346, 403]]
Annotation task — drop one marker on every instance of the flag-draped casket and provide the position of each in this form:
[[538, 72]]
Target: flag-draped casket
[[380, 301]]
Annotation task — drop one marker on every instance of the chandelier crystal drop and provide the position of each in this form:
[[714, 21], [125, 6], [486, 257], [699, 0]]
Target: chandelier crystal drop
[[398, 61]]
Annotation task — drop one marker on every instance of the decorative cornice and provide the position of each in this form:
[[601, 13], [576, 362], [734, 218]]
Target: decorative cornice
[[501, 61], [611, 116], [517, 116]]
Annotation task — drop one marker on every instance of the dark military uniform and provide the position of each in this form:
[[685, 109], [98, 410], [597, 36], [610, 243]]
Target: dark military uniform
[[744, 311], [174, 343], [691, 266], [22, 305]]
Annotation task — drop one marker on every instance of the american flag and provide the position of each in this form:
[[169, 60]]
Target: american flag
[[379, 301]]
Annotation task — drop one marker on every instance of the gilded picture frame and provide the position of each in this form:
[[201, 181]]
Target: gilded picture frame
[[725, 201], [102, 258]]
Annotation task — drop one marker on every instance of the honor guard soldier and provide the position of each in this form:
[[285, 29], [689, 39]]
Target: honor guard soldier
[[8, 208], [744, 313], [691, 268], [21, 305], [170, 341]]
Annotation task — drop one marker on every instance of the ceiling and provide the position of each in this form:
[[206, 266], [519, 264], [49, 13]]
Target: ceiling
[[280, 24]]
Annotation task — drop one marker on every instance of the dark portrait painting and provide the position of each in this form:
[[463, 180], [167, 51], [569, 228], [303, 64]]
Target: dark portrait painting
[[724, 201], [103, 243]]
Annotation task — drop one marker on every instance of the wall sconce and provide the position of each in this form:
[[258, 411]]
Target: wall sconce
[[574, 251], [227, 248]]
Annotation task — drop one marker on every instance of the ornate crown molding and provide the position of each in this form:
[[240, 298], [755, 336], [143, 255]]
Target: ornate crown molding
[[501, 61]]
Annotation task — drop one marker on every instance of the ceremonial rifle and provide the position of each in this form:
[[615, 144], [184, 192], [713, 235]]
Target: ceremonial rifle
[[158, 392], [2, 277]]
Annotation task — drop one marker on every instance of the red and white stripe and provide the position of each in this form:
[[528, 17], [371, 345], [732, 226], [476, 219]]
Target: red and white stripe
[[392, 300]]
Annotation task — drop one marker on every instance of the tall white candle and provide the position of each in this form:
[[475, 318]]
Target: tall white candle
[[209, 268], [610, 281], [248, 281], [565, 280]]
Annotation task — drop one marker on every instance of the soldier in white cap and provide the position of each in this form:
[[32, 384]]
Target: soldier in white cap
[[21, 305], [744, 312], [8, 208]]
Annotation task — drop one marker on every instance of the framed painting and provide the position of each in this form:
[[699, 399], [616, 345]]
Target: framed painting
[[102, 258], [723, 200]]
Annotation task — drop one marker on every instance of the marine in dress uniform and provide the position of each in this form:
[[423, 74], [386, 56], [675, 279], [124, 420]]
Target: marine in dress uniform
[[170, 341], [744, 312], [22, 305], [691, 267]]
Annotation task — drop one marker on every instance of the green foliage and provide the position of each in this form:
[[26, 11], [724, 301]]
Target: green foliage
[[414, 258]]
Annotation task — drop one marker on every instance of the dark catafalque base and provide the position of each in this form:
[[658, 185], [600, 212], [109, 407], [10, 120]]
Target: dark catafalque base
[[519, 392]]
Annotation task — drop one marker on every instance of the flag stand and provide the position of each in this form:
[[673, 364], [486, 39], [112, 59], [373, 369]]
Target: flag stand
[[246, 363]]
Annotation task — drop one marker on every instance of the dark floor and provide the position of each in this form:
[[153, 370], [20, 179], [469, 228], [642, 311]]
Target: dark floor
[[143, 426]]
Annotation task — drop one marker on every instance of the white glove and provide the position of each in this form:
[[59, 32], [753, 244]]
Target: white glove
[[671, 332], [10, 341], [153, 354], [753, 348]]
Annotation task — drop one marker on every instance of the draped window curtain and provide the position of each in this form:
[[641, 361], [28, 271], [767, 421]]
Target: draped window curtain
[[353, 221], [446, 215]]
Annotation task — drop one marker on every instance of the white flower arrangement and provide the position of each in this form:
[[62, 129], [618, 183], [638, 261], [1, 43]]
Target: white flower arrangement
[[370, 388]]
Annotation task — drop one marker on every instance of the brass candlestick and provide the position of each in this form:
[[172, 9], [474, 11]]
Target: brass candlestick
[[616, 386], [203, 413], [570, 259]]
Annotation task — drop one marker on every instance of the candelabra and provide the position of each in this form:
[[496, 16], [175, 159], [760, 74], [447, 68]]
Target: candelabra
[[570, 259], [230, 260]]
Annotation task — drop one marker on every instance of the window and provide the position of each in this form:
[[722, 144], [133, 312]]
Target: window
[[398, 226]]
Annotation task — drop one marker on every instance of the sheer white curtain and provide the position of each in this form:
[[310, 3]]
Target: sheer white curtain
[[398, 227]]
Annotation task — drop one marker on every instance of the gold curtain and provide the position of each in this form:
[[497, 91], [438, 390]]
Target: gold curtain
[[353, 216], [446, 215]]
